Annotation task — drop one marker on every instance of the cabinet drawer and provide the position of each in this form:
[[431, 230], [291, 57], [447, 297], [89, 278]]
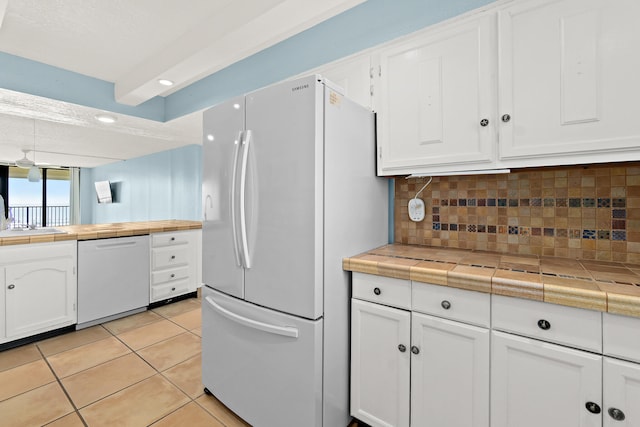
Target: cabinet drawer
[[171, 238], [169, 290], [452, 303], [382, 290], [570, 326], [169, 256], [620, 336], [171, 275]]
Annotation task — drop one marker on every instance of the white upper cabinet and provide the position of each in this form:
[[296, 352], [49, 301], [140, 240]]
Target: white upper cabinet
[[521, 84], [435, 99], [353, 76], [568, 81]]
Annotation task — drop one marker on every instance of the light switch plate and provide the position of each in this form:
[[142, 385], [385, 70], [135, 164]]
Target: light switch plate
[[416, 210]]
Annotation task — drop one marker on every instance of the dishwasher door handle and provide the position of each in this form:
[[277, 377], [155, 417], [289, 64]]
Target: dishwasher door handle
[[287, 331], [115, 245]]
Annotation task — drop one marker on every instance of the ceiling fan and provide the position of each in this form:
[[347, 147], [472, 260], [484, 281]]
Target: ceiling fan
[[24, 162]]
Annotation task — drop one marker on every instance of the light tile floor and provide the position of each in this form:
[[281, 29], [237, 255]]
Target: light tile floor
[[140, 370]]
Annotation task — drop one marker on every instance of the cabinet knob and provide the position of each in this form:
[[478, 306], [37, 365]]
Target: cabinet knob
[[593, 407], [414, 349], [484, 122], [172, 275], [616, 414], [544, 324], [173, 257], [505, 118], [173, 289], [445, 304], [11, 286], [402, 348], [173, 239], [377, 291]]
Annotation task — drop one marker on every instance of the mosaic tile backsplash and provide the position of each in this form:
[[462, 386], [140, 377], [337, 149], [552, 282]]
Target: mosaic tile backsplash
[[586, 212]]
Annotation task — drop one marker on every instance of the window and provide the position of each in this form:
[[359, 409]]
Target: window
[[43, 204]]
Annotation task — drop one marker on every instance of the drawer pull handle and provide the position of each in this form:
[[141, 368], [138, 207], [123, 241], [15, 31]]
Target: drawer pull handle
[[593, 407], [377, 291], [414, 349], [616, 414], [402, 348], [484, 122], [11, 286], [172, 275], [445, 304], [544, 324], [505, 118]]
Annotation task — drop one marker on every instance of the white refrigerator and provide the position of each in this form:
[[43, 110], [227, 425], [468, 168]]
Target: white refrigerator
[[289, 190]]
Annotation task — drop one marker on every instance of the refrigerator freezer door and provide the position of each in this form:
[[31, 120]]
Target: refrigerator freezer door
[[286, 197], [221, 154], [264, 365]]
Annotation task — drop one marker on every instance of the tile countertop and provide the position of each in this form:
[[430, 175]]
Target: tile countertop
[[595, 285], [104, 231]]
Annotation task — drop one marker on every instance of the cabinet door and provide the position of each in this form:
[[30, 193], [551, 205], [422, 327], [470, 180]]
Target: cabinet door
[[354, 76], [568, 81], [380, 364], [621, 393], [40, 296], [535, 384], [449, 373], [434, 91]]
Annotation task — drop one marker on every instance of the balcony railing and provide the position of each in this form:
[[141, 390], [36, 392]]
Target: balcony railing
[[32, 215]]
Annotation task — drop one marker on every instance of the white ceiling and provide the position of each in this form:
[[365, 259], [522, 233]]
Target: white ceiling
[[131, 43]]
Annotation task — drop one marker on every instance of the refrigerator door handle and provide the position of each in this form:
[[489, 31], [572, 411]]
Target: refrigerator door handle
[[287, 331], [234, 215], [243, 192]]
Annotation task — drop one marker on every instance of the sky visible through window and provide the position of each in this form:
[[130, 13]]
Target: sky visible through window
[[25, 202], [25, 193]]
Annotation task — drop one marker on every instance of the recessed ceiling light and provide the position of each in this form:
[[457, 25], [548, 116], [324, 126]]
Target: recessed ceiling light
[[210, 137], [165, 82], [106, 118], [236, 106]]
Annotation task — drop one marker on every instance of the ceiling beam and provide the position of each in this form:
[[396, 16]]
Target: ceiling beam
[[223, 38]]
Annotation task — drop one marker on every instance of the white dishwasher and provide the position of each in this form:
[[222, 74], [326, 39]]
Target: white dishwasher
[[113, 278]]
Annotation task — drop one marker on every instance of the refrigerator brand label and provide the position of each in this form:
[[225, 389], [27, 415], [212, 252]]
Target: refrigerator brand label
[[301, 87]]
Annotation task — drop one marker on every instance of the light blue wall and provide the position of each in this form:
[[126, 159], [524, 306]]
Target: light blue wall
[[159, 186]]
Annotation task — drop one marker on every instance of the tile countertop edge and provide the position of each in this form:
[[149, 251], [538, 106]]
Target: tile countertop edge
[[104, 231], [395, 261]]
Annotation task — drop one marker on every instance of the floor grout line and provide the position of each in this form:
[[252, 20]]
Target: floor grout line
[[155, 371]]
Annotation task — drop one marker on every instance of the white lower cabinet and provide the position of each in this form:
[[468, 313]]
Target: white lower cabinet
[[175, 264], [449, 373], [425, 355], [39, 292], [413, 369], [534, 383], [621, 393], [380, 364]]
